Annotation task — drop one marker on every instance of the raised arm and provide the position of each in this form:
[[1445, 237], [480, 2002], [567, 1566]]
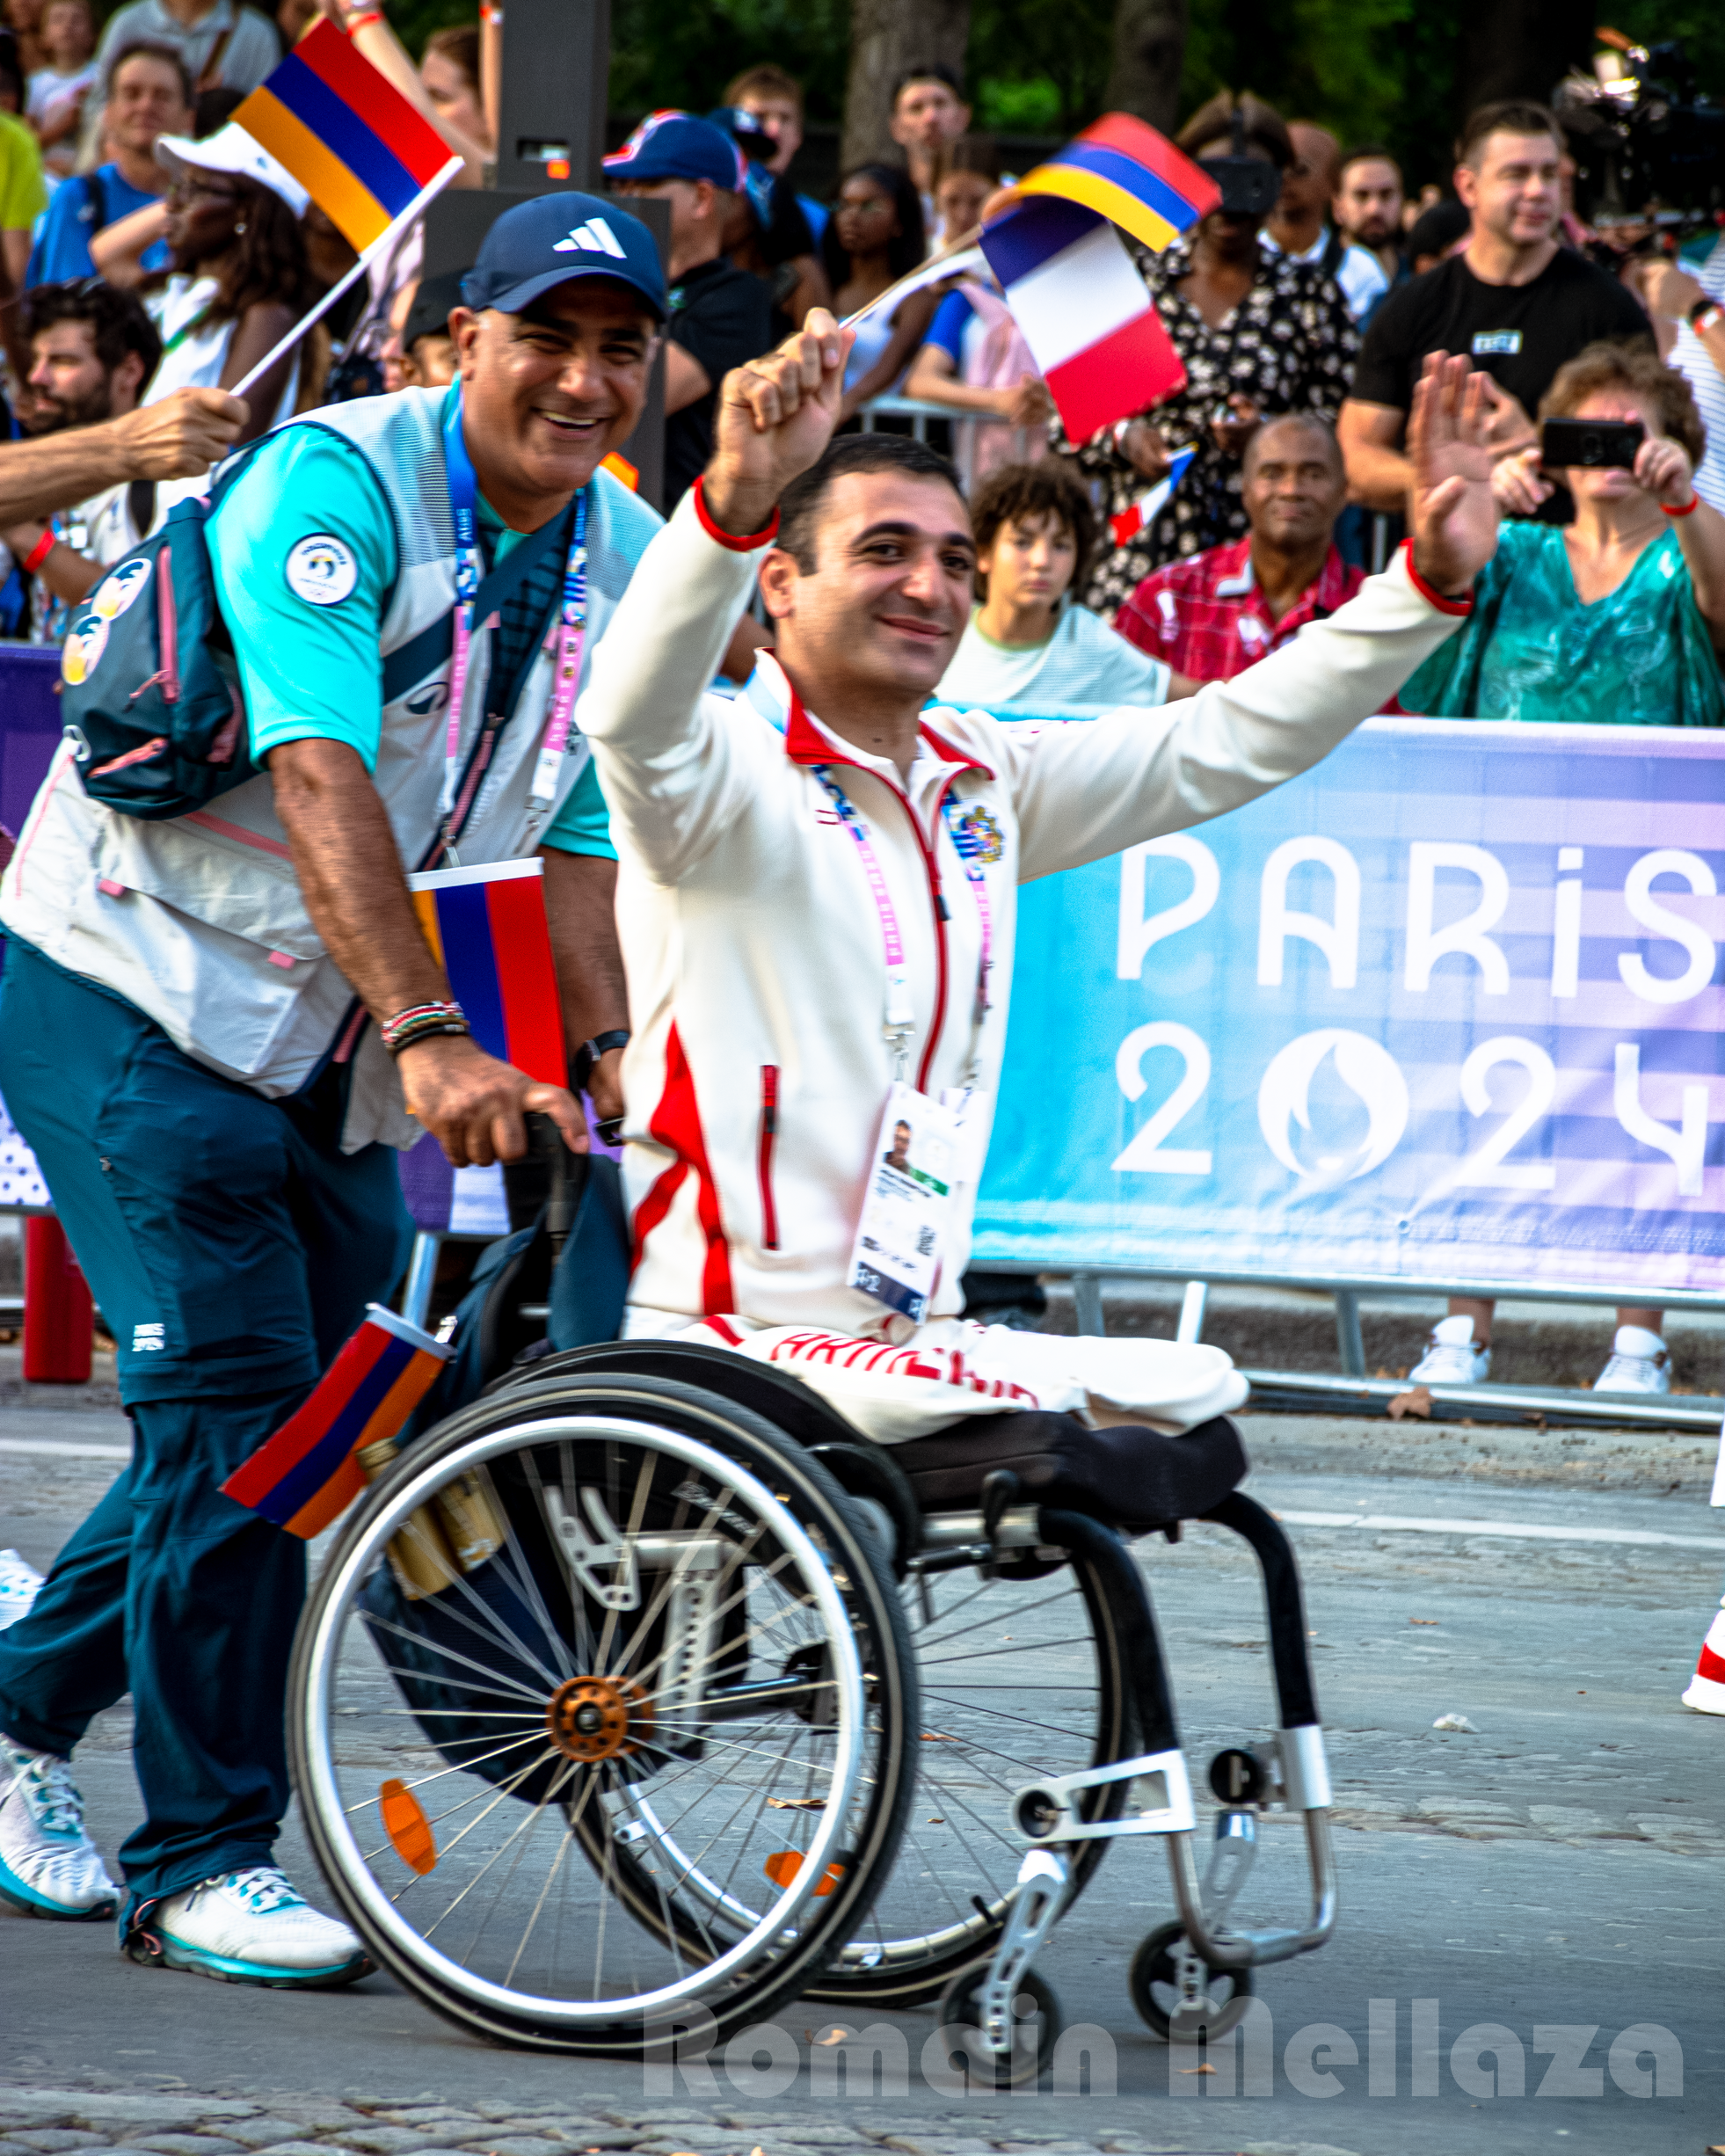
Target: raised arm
[[673, 765], [1083, 793]]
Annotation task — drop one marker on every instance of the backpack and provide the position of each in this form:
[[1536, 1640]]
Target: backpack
[[149, 687]]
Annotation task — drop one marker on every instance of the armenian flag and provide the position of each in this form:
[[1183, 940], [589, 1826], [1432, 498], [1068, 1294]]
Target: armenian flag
[[1072, 288], [487, 928], [1135, 177], [306, 1476], [350, 138]]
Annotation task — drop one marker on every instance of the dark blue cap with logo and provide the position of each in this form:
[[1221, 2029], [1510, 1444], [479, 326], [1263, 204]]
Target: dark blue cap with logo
[[671, 145], [540, 245]]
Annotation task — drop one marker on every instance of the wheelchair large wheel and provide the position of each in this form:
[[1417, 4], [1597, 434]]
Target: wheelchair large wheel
[[1023, 1677], [603, 1714]]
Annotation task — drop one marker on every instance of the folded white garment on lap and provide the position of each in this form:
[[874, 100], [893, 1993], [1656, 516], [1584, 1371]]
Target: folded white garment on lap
[[952, 1369]]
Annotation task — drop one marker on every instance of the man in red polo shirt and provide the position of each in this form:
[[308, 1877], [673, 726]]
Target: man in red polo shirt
[[1213, 615]]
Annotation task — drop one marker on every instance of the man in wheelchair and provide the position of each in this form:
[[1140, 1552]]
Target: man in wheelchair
[[817, 899], [610, 1699]]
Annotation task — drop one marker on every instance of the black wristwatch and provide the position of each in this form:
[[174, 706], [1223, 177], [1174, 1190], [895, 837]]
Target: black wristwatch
[[587, 1055]]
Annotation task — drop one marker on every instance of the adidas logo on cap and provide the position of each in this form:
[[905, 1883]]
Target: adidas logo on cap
[[595, 236]]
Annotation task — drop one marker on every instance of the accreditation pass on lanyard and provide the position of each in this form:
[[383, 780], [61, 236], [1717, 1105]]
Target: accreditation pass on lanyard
[[925, 1147], [569, 632]]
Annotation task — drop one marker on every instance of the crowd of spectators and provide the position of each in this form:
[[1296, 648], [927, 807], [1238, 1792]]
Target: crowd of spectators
[[145, 257]]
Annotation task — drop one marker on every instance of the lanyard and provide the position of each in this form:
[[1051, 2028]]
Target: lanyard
[[968, 847], [570, 629], [901, 1018]]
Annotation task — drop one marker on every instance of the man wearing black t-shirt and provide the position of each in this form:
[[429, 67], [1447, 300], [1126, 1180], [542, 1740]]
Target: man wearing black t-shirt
[[1514, 302], [719, 314]]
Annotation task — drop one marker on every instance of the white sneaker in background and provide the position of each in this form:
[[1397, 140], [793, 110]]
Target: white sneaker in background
[[18, 1581], [1639, 1363], [49, 1865], [250, 1927], [1454, 1358]]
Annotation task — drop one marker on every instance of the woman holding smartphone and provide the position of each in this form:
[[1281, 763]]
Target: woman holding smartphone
[[1616, 620]]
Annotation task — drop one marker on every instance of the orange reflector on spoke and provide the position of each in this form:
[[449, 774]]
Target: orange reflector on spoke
[[405, 1824], [784, 1864]]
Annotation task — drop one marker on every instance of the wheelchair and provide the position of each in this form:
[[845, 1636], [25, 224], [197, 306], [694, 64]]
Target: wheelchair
[[645, 1694]]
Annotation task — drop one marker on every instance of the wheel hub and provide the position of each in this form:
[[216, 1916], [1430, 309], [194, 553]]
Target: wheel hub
[[595, 1718]]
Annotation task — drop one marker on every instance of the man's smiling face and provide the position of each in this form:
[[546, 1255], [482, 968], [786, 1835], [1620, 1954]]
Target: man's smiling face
[[886, 603], [551, 392]]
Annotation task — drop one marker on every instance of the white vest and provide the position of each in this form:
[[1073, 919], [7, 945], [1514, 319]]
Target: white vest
[[198, 921]]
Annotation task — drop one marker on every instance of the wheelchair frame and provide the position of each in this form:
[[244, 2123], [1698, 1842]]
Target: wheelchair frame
[[1061, 1822]]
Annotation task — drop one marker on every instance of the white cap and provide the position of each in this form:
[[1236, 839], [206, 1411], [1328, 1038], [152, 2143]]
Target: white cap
[[231, 150]]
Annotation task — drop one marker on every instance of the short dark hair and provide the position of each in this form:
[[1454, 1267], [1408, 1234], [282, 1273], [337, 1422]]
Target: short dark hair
[[1049, 487], [153, 48], [974, 153], [11, 68], [1262, 125], [1505, 116], [459, 45], [902, 254], [1374, 153], [1315, 422], [937, 71], [119, 324], [764, 81], [800, 505]]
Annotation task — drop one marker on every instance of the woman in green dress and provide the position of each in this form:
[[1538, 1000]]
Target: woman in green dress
[[1618, 618], [1614, 620]]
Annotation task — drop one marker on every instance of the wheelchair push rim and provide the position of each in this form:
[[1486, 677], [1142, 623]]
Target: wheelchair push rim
[[650, 1796]]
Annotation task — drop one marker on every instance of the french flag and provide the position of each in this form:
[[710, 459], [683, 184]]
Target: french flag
[[1085, 312], [1131, 520]]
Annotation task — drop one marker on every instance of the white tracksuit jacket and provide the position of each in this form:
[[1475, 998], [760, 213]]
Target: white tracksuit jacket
[[759, 1068]]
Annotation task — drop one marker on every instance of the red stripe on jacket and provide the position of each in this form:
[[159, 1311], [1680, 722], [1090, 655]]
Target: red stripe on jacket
[[676, 1124]]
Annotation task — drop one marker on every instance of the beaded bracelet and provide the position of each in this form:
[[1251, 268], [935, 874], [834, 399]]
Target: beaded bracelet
[[422, 1022]]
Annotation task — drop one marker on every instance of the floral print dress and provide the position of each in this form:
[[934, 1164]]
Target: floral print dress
[[1290, 346]]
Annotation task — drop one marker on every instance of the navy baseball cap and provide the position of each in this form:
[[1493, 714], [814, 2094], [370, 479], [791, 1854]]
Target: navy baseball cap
[[554, 238], [673, 145]]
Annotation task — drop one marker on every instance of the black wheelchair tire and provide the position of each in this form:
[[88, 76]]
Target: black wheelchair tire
[[783, 1465]]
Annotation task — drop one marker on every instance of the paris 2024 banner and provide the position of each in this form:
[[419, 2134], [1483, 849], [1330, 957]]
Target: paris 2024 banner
[[1445, 1009]]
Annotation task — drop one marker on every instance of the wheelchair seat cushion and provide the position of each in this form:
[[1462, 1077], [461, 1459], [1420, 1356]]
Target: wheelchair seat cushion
[[1125, 1474]]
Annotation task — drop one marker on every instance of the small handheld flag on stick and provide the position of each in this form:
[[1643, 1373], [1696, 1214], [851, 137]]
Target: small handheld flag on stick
[[1131, 520], [305, 1476], [367, 159], [1074, 290], [487, 928]]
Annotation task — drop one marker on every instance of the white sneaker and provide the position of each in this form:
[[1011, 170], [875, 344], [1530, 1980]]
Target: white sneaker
[[248, 1927], [49, 1865], [18, 1582], [1454, 1358], [1639, 1363]]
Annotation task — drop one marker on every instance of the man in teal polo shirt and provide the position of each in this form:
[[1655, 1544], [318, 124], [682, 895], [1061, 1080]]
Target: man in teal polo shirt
[[214, 1030]]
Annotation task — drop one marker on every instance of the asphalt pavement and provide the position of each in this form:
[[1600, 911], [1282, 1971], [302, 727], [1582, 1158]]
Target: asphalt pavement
[[1529, 1947]]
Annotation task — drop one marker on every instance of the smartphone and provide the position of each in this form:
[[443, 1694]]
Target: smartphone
[[1595, 442]]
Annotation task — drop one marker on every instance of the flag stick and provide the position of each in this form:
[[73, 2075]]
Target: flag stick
[[414, 210], [953, 260]]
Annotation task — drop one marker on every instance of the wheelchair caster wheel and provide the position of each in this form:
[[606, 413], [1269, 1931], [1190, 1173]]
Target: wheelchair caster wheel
[[1167, 2003], [1035, 2025]]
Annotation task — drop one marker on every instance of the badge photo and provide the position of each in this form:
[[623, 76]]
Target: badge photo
[[321, 571]]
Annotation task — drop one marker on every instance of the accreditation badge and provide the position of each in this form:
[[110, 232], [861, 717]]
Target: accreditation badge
[[901, 1237]]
